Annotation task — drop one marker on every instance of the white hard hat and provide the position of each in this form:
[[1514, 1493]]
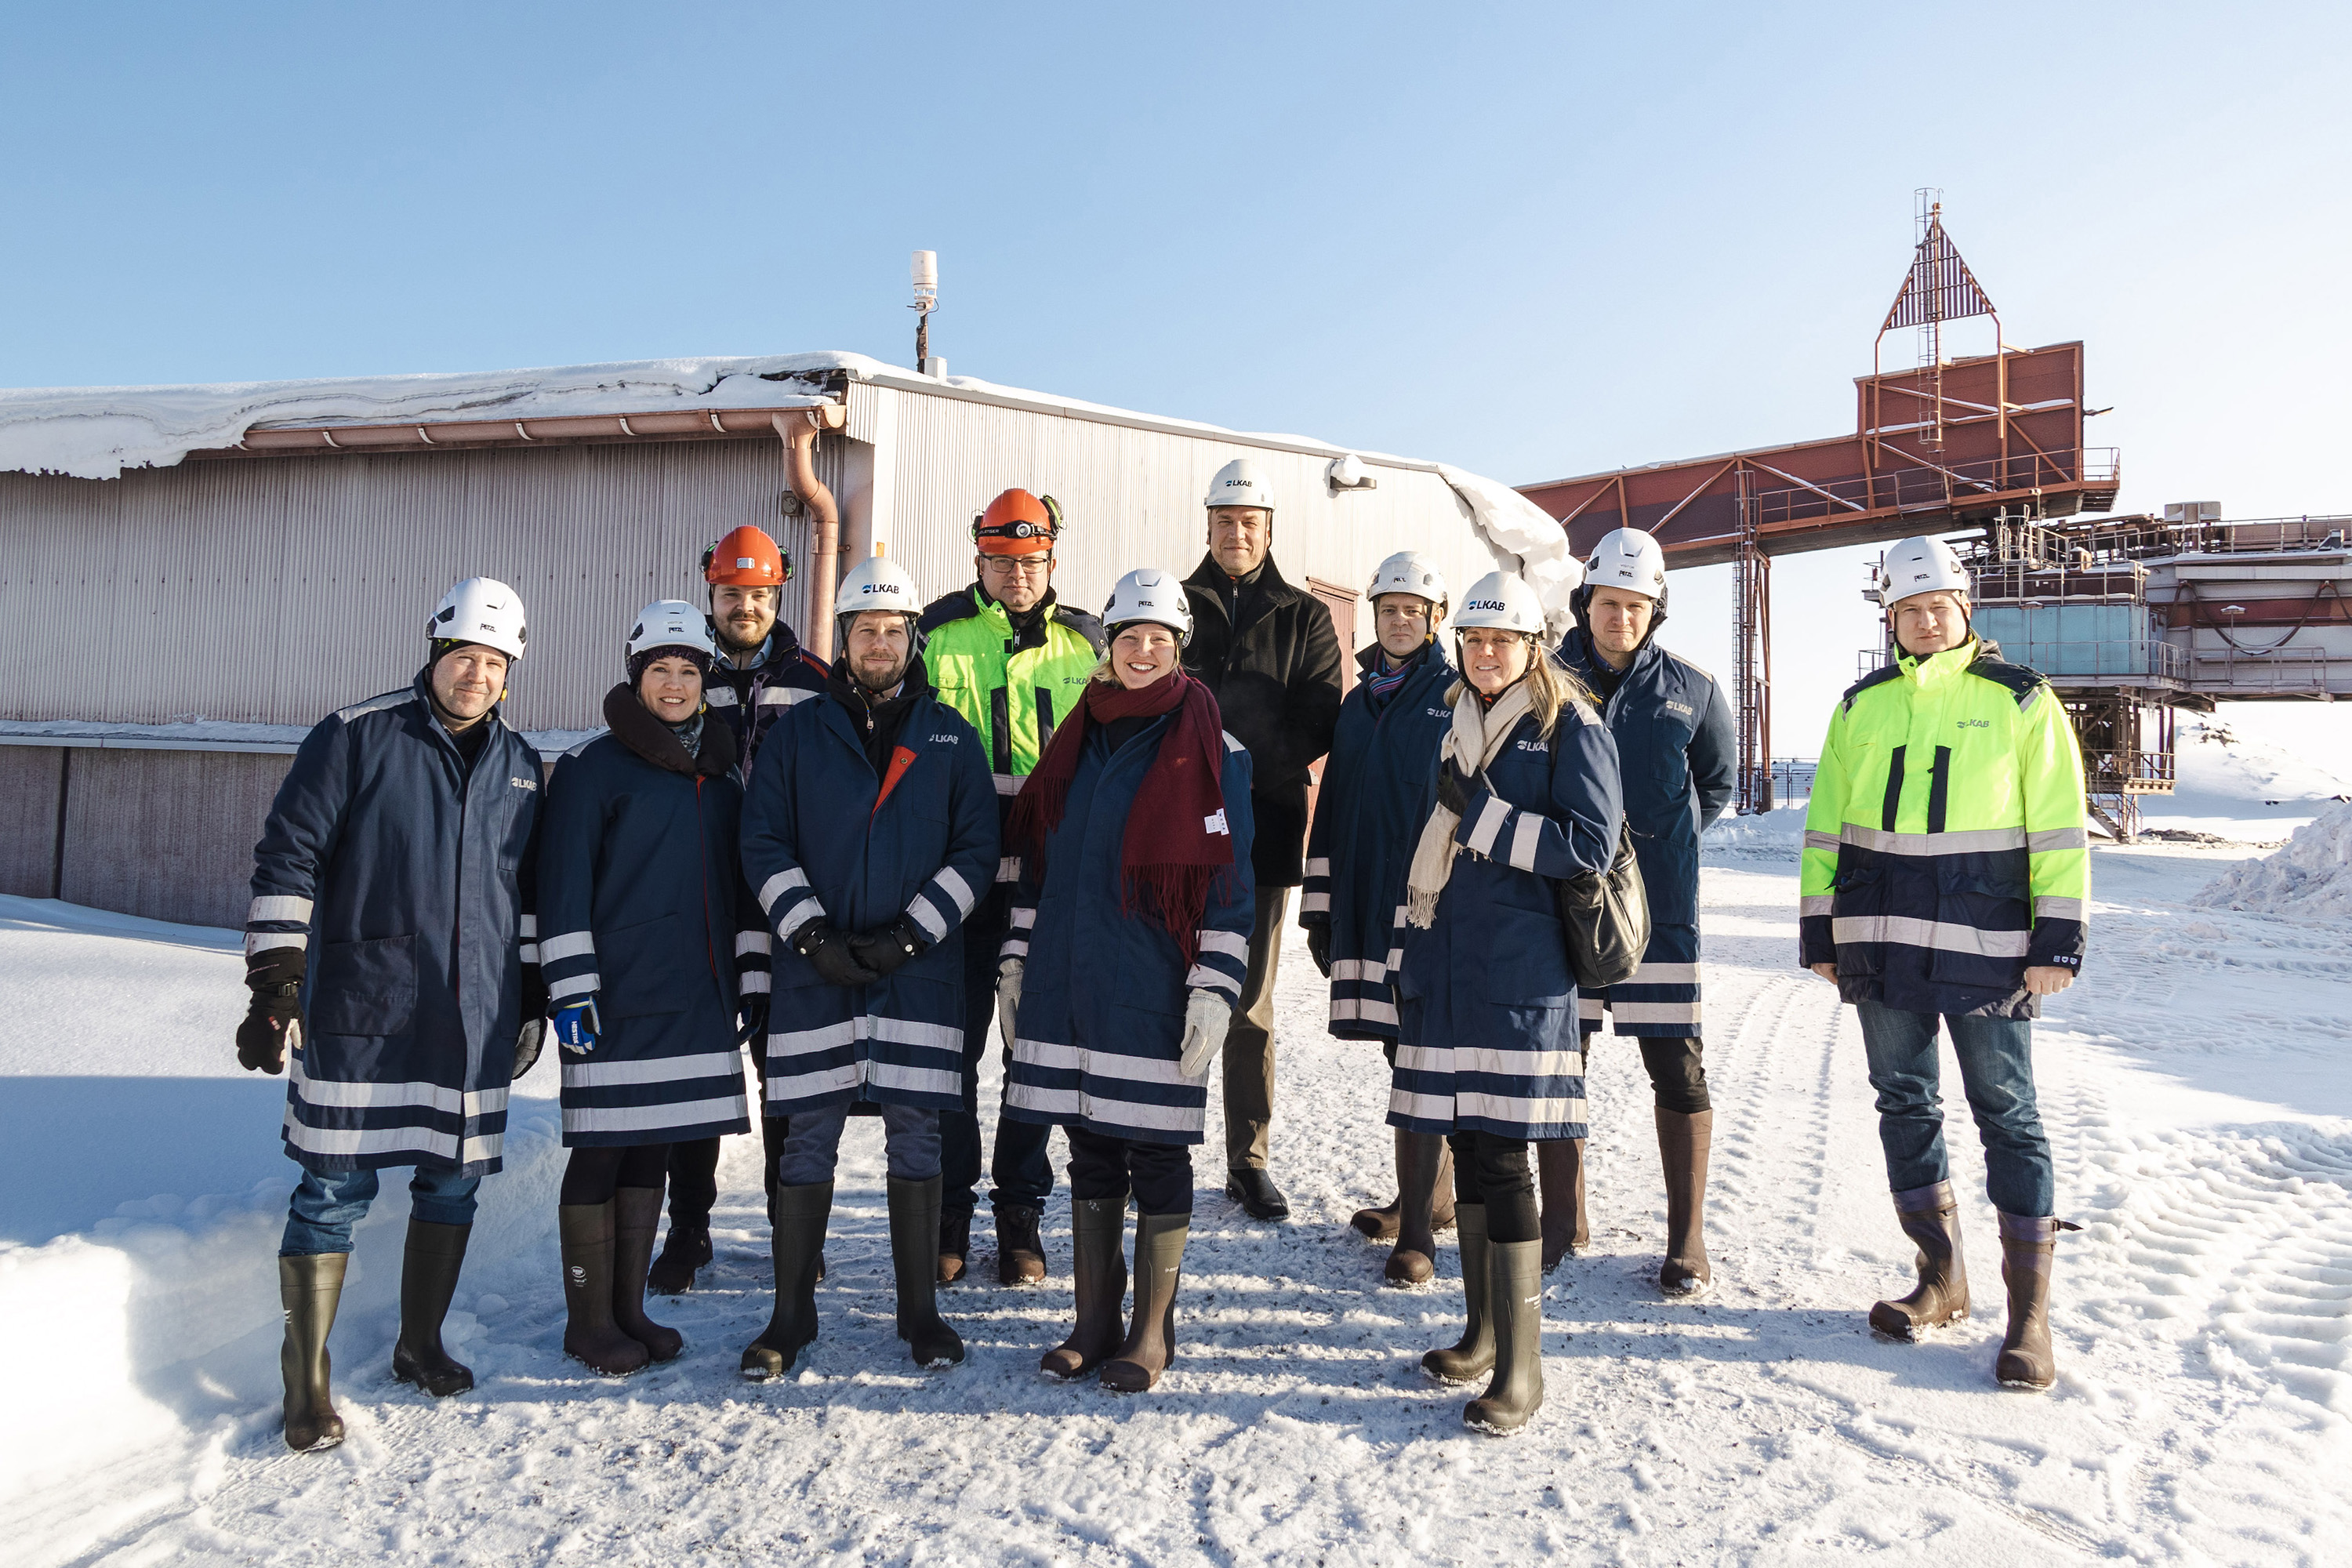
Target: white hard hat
[[1240, 483], [876, 583], [1628, 558], [671, 623], [1499, 599], [1147, 594], [1919, 565], [481, 610], [1408, 571]]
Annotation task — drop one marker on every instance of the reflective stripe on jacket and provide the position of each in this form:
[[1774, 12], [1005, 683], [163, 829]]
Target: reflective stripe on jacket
[[1945, 851], [407, 875]]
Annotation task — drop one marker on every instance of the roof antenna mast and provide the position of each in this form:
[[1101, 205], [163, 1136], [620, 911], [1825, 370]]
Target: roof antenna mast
[[927, 300]]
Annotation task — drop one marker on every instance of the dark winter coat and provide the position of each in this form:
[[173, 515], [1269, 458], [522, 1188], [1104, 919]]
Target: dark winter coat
[[823, 838], [406, 873], [1104, 989], [641, 904], [1678, 743], [750, 701], [1485, 999], [1367, 817], [1268, 653]]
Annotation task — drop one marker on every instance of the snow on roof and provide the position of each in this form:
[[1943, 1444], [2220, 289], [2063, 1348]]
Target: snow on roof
[[96, 432]]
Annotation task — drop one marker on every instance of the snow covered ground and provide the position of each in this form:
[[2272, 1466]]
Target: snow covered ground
[[2195, 1083]]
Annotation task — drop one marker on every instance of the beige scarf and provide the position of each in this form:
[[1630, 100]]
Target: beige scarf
[[1480, 731]]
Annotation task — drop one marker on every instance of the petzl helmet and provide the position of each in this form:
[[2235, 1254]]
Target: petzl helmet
[[1409, 571], [747, 558], [1147, 594], [876, 583], [1240, 483], [1919, 565], [1018, 523], [1500, 600], [480, 610]]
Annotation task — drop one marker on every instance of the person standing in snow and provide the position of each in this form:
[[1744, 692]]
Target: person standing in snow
[[1129, 943], [762, 669], [402, 839], [1946, 874], [1009, 655], [1368, 817], [870, 833], [1678, 743], [641, 901], [1267, 653], [1525, 795]]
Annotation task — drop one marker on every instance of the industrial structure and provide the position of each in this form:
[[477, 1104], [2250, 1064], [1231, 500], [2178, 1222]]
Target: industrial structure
[[171, 631]]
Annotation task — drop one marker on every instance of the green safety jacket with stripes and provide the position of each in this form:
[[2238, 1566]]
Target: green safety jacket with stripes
[[1014, 684], [1945, 851]]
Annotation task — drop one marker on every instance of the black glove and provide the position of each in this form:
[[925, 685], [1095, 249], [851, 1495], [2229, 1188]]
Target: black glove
[[272, 1024], [1318, 941], [528, 1044], [885, 950], [1454, 787], [828, 951], [750, 1017]]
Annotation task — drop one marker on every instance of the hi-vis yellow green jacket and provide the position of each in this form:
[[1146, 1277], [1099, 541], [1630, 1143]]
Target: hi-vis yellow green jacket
[[1945, 850]]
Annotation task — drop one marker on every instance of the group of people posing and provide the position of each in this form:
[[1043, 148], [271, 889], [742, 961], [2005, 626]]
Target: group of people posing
[[995, 807]]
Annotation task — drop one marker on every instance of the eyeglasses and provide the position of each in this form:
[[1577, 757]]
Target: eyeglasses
[[1025, 566]]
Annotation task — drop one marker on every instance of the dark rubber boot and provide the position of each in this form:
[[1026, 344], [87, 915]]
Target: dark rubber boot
[[1151, 1344], [428, 1278], [796, 1243], [914, 1256], [589, 1332], [1682, 1144], [636, 1220], [1020, 1249], [1381, 1224], [1415, 1260], [684, 1255], [1099, 1277], [955, 1247], [2028, 1247], [1559, 1174], [1475, 1355], [310, 1288], [1930, 1217], [1440, 1203], [1515, 1297]]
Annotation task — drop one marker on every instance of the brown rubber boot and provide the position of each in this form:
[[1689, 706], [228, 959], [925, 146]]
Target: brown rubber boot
[[1150, 1346], [585, 1231], [1682, 1144], [914, 1256], [1020, 1251], [2027, 1249], [1414, 1260], [1559, 1174], [1441, 1205], [1930, 1217], [428, 1278], [636, 1221], [955, 1249], [1098, 1275], [797, 1218], [1381, 1224], [1475, 1355], [310, 1288], [1515, 1300]]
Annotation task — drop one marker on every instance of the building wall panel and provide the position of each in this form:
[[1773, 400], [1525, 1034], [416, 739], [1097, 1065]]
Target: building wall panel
[[167, 835], [29, 780]]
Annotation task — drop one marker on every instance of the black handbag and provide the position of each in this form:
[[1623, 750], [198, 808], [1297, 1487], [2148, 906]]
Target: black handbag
[[1605, 916]]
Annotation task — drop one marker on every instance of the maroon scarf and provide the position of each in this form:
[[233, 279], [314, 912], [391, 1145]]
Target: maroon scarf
[[1170, 856]]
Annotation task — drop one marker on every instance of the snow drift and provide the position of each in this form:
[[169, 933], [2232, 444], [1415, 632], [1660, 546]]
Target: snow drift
[[2311, 876]]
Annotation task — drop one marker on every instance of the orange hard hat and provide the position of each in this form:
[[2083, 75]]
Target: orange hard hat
[[1018, 523], [747, 558]]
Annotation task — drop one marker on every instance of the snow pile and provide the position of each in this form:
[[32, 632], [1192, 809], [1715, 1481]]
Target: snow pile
[[1776, 835], [1526, 539], [2232, 782], [2312, 877], [95, 433]]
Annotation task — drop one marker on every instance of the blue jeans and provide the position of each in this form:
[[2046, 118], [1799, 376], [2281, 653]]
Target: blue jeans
[[910, 1137], [1996, 1057], [327, 1204], [1022, 1173]]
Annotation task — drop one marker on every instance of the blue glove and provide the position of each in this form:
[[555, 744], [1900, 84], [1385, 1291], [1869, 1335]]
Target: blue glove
[[576, 1027]]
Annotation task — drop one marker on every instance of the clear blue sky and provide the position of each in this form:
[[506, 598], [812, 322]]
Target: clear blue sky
[[1531, 240]]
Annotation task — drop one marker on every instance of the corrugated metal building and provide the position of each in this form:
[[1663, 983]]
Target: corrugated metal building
[[170, 633]]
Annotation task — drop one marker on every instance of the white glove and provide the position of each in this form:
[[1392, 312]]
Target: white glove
[[1206, 1014], [1008, 997]]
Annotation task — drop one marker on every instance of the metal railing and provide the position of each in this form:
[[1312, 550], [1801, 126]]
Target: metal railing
[[2117, 659], [2278, 674], [2127, 773], [1894, 490]]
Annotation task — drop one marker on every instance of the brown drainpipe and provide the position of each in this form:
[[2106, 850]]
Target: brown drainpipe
[[799, 431]]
